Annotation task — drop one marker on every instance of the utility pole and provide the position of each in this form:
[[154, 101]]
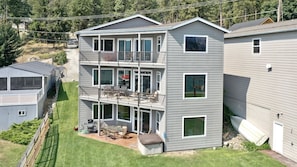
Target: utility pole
[[279, 10], [221, 14]]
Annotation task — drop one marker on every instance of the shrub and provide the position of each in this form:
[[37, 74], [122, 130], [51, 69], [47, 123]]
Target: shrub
[[21, 133], [60, 58]]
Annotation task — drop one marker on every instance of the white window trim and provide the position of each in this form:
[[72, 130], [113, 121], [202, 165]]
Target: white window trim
[[102, 49], [112, 81], [93, 72], [93, 104], [93, 44], [253, 46], [159, 43], [194, 136], [22, 113], [206, 85], [158, 73], [123, 120], [135, 72], [158, 115], [110, 119], [135, 40], [206, 49]]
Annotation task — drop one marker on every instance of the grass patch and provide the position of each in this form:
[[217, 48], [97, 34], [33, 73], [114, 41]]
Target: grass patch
[[10, 153], [74, 150]]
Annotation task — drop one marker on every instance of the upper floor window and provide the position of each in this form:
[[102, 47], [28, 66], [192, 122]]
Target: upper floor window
[[194, 126], [124, 78], [106, 76], [158, 81], [95, 44], [195, 85], [196, 43], [257, 46], [106, 45], [3, 83], [159, 41]]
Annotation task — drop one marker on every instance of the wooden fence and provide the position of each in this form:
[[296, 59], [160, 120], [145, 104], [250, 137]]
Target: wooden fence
[[32, 151]]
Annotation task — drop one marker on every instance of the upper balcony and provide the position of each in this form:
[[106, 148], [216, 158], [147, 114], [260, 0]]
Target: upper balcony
[[124, 59]]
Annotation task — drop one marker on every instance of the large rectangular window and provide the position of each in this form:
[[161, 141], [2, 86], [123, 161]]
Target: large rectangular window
[[124, 78], [256, 46], [146, 49], [106, 77], [26, 83], [3, 83], [194, 126], [194, 43], [124, 113], [125, 49], [106, 111], [195, 85]]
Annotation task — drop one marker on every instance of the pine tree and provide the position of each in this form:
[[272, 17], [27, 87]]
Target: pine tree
[[10, 44]]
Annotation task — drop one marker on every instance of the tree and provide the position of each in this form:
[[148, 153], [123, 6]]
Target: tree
[[18, 8], [10, 44]]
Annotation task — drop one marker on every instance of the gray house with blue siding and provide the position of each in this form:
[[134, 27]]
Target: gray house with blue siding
[[260, 81], [165, 79], [23, 90]]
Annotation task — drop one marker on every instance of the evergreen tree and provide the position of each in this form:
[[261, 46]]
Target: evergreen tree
[[10, 45]]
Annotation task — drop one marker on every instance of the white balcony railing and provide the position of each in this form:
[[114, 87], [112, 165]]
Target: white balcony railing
[[20, 98]]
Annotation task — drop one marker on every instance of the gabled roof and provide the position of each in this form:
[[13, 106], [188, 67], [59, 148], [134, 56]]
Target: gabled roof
[[153, 28], [284, 26], [122, 20], [35, 67], [251, 23]]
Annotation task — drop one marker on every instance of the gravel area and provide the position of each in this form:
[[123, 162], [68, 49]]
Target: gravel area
[[71, 67]]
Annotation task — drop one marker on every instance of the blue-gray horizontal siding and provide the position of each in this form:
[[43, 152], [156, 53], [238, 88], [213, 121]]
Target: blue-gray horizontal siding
[[177, 107], [275, 90], [10, 115]]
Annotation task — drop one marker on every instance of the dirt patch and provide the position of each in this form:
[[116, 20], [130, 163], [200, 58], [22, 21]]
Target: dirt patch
[[36, 51], [180, 153]]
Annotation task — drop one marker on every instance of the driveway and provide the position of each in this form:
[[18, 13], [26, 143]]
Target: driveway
[[71, 67]]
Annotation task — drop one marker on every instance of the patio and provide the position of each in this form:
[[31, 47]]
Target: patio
[[130, 141]]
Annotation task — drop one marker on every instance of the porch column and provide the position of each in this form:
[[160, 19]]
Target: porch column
[[138, 91], [99, 85]]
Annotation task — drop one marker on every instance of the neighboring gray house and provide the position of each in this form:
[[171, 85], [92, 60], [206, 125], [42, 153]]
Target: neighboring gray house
[[260, 82], [180, 83], [23, 90]]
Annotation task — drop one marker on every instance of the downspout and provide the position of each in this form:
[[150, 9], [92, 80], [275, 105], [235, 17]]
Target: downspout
[[138, 91]]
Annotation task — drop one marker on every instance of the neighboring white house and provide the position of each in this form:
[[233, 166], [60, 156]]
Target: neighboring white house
[[260, 83], [23, 90]]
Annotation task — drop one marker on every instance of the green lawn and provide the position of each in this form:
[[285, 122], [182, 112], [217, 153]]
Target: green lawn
[[65, 148], [10, 153]]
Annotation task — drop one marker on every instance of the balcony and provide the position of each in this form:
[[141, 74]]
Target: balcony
[[127, 59], [123, 97], [20, 97]]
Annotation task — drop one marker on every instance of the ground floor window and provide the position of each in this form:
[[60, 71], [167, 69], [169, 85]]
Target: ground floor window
[[194, 126], [124, 113], [106, 111]]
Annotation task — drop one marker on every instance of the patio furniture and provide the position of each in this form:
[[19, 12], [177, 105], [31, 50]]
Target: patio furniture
[[123, 132], [154, 97]]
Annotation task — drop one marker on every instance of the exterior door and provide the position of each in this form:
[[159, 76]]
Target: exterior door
[[278, 133], [125, 49], [145, 121], [145, 81]]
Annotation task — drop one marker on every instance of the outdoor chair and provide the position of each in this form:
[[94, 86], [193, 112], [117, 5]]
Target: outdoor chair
[[123, 132], [154, 97]]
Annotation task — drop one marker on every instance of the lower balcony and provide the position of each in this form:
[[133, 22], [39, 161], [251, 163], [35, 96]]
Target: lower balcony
[[120, 96]]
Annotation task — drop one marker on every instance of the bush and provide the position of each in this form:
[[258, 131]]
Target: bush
[[21, 133], [60, 58], [253, 147]]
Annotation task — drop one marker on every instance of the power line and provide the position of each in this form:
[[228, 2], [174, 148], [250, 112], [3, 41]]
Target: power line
[[149, 11]]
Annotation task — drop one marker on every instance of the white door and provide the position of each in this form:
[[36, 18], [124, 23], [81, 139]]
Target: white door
[[278, 133]]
